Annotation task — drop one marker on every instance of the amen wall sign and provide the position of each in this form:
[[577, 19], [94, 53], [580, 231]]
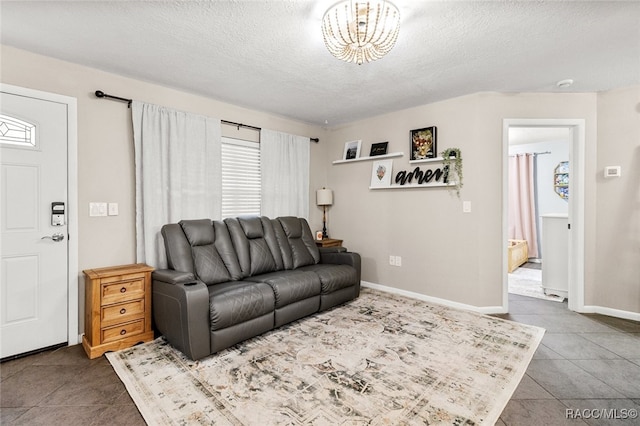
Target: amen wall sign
[[417, 176]]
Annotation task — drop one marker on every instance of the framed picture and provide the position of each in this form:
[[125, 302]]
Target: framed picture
[[381, 171], [379, 148], [352, 150], [423, 143]]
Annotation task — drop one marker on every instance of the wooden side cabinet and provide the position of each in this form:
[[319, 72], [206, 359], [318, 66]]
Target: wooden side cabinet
[[329, 242], [117, 308]]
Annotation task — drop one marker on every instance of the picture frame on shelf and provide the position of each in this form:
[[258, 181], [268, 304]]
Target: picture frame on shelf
[[381, 172], [424, 143], [379, 148], [352, 150]]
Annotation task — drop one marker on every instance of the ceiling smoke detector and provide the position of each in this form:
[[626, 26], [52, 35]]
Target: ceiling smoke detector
[[563, 84]]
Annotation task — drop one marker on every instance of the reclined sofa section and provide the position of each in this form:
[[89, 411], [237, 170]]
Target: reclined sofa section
[[228, 281]]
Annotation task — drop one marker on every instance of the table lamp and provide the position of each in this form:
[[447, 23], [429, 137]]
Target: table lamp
[[324, 198]]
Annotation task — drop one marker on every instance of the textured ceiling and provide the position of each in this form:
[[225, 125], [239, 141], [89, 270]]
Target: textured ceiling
[[269, 55]]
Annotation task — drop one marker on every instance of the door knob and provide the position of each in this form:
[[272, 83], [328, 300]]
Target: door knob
[[57, 237]]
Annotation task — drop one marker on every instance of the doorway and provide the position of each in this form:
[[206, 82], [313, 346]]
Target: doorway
[[538, 198], [575, 131], [39, 283]]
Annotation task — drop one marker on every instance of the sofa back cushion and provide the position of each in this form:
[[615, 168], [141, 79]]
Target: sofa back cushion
[[177, 248], [214, 260], [296, 242], [255, 244]]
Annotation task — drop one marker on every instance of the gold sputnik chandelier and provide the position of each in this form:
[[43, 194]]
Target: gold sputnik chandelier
[[358, 31]]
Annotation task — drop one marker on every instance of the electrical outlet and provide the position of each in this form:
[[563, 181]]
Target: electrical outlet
[[395, 260]]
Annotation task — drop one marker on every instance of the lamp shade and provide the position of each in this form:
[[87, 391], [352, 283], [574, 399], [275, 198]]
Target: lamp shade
[[324, 197]]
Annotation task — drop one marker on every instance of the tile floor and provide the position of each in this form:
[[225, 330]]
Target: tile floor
[[585, 362]]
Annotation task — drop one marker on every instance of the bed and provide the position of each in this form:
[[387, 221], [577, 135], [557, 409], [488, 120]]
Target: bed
[[517, 253]]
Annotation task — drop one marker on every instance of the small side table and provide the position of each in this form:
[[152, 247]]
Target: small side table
[[329, 242], [117, 308]]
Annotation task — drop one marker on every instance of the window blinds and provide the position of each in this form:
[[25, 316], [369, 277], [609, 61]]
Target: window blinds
[[241, 178]]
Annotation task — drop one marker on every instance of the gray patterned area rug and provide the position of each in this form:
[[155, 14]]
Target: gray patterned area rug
[[381, 359]]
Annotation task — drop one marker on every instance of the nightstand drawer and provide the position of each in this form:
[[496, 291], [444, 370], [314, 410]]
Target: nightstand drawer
[[124, 330], [122, 312], [122, 291]]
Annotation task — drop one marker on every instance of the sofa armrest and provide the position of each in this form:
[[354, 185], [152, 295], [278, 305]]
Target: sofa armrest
[[181, 313], [170, 276], [340, 258], [332, 250], [344, 258]]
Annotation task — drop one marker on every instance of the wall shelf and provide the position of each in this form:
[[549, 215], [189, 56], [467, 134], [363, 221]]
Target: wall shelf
[[415, 185], [426, 160], [375, 157]]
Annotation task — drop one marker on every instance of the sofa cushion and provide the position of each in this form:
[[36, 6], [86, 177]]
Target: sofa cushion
[[333, 277], [255, 244], [209, 266], [296, 242], [252, 227], [291, 286], [236, 302], [177, 248]]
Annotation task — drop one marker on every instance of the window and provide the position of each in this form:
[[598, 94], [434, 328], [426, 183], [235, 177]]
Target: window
[[14, 131], [240, 177]]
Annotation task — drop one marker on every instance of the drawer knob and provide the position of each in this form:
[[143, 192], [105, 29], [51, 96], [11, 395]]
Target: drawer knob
[[123, 332], [123, 311], [123, 289]]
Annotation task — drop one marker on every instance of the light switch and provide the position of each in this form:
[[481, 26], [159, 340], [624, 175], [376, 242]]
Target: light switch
[[97, 209], [113, 209], [466, 206]]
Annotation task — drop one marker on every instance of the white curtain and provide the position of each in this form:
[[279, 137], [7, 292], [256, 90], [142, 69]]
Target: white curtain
[[178, 176], [522, 201], [284, 163]]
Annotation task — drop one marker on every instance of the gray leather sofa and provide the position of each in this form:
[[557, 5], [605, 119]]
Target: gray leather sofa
[[235, 279]]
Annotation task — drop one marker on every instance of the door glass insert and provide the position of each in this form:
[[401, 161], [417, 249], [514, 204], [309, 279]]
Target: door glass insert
[[14, 131]]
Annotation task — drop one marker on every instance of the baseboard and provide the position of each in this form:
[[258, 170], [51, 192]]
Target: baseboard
[[431, 299], [617, 313]]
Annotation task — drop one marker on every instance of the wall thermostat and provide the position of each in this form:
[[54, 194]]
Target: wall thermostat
[[612, 171]]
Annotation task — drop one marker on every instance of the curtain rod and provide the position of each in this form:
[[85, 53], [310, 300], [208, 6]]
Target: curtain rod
[[101, 94], [246, 126]]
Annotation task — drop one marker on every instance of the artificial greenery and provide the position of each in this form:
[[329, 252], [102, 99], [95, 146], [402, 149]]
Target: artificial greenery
[[453, 157]]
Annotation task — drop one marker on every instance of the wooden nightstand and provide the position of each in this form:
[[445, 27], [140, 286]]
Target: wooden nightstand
[[117, 308], [329, 242]]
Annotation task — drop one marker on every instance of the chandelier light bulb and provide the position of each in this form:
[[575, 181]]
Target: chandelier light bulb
[[358, 31]]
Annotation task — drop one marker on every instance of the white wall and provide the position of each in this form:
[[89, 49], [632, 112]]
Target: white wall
[[617, 271]]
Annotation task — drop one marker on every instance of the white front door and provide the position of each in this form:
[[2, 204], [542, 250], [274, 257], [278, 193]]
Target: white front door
[[34, 266]]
